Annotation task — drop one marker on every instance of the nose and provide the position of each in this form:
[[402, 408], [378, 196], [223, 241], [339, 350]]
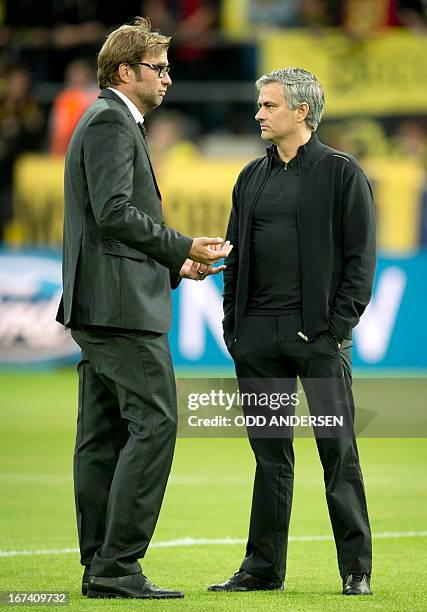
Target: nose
[[166, 80], [259, 116]]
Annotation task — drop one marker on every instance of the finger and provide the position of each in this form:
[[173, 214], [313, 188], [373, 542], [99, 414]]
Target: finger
[[217, 255], [218, 247], [211, 241], [217, 270]]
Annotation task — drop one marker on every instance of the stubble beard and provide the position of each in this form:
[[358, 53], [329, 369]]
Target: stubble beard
[[149, 102]]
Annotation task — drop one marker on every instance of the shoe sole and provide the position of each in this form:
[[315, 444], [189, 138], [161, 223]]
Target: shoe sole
[[219, 590], [110, 595], [355, 593]]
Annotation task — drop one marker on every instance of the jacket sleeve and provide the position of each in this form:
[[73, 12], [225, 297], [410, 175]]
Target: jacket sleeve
[[358, 253], [109, 159], [231, 272], [175, 279]]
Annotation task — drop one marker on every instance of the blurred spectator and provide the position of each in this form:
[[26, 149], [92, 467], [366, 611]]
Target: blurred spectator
[[361, 137], [3, 73], [194, 26], [413, 15], [410, 141], [81, 89], [48, 35], [362, 19], [274, 13], [172, 136], [21, 129], [315, 13], [290, 14], [200, 52], [32, 32]]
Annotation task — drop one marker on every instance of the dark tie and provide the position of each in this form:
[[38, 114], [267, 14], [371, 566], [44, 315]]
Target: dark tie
[[144, 135], [143, 130]]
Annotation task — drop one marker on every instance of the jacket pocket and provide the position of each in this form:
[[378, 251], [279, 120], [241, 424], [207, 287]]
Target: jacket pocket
[[331, 339], [119, 249]]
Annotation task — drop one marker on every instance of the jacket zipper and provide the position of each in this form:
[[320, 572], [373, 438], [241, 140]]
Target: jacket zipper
[[254, 201], [302, 334]]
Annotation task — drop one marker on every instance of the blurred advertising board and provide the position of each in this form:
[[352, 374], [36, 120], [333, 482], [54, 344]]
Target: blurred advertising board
[[380, 75], [392, 333], [30, 290]]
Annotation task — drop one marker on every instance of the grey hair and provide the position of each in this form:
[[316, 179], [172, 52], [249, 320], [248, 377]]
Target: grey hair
[[299, 86]]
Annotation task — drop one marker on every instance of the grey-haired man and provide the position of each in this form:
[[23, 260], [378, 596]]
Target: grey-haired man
[[298, 280]]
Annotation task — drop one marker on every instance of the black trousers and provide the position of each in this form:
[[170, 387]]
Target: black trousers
[[126, 432], [269, 347]]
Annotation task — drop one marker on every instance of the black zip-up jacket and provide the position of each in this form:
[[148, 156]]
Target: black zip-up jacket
[[336, 237]]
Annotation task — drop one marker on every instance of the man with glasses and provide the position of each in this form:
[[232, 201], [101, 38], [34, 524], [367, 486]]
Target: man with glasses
[[120, 261]]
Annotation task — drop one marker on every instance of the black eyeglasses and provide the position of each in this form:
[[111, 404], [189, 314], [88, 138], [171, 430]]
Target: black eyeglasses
[[161, 69]]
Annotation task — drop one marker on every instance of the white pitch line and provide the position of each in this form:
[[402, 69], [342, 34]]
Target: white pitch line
[[30, 553], [381, 535]]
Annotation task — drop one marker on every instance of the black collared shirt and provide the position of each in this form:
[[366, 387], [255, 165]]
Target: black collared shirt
[[275, 285]]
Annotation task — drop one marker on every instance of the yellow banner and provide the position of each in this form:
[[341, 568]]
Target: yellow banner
[[385, 75], [197, 198], [398, 187], [38, 200]]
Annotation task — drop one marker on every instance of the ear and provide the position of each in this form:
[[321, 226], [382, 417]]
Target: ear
[[302, 112], [124, 72]]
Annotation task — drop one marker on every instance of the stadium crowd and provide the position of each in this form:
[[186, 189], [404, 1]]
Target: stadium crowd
[[48, 75]]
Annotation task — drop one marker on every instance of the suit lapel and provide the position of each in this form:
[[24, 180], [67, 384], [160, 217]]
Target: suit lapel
[[107, 93], [144, 142]]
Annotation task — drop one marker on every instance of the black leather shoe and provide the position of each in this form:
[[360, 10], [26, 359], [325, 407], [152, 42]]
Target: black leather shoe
[[85, 580], [136, 586], [242, 581], [357, 584]]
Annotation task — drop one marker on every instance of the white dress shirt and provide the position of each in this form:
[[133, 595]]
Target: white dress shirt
[[136, 114]]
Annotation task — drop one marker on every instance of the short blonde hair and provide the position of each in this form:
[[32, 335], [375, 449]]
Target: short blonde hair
[[130, 44]]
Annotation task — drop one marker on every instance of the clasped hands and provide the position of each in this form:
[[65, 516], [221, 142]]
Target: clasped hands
[[203, 254]]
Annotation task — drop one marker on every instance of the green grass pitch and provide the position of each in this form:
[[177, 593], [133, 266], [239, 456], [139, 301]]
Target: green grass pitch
[[208, 497]]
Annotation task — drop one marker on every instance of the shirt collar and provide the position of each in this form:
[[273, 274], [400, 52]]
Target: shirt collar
[[292, 163], [306, 154], [136, 114]]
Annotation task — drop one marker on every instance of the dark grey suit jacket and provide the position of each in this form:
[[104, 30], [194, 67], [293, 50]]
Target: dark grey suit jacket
[[118, 255]]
